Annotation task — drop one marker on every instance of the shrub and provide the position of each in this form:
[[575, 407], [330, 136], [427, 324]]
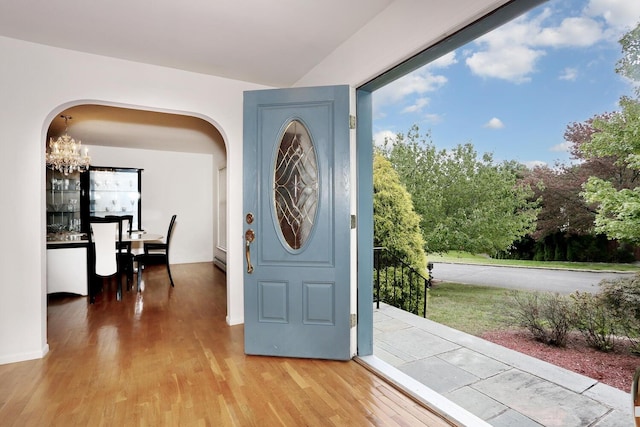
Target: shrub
[[622, 298], [595, 321], [547, 316]]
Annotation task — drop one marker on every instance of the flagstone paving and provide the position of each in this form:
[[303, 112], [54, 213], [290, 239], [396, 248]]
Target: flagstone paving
[[495, 384]]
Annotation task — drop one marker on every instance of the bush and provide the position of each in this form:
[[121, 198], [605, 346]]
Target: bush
[[595, 321], [622, 298], [548, 317]]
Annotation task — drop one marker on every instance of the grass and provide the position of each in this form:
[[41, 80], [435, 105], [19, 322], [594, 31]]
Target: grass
[[469, 308], [465, 257], [477, 309]]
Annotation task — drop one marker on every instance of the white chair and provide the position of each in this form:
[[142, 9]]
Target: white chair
[[104, 239]]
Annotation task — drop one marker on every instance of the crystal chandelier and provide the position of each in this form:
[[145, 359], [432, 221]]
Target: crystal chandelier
[[65, 154]]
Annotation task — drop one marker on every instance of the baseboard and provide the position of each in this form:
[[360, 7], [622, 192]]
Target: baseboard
[[231, 321], [21, 357], [220, 264]]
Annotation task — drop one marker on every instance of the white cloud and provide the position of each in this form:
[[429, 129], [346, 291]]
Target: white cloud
[[574, 31], [562, 147], [418, 82], [513, 63], [620, 15], [570, 74], [533, 163], [417, 106], [433, 118], [512, 51], [506, 52], [494, 123], [380, 137], [444, 61]]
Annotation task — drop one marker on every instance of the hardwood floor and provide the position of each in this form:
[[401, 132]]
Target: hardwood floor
[[166, 357]]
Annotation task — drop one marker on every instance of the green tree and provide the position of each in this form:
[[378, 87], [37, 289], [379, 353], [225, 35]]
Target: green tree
[[466, 203], [629, 64], [396, 224], [617, 135]]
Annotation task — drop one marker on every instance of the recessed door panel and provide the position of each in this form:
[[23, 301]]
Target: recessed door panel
[[273, 304], [319, 303]]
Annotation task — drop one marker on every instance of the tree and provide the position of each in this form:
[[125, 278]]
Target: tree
[[629, 64], [563, 209], [466, 203], [396, 225], [617, 136], [618, 211]]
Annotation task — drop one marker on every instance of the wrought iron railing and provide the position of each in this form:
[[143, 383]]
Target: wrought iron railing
[[398, 284]]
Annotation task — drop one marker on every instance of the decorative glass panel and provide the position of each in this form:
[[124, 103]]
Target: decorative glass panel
[[295, 185]]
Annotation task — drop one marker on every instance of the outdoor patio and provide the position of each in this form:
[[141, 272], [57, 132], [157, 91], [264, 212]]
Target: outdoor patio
[[499, 385]]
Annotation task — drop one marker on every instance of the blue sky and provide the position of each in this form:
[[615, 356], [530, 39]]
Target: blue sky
[[513, 91]]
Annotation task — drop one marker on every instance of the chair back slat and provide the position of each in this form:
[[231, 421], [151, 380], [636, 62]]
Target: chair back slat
[[104, 238], [126, 223], [171, 224]]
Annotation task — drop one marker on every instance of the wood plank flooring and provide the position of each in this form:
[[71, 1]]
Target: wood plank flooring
[[166, 357]]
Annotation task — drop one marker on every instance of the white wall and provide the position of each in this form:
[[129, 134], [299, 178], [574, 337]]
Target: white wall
[[402, 30], [37, 82], [173, 183]]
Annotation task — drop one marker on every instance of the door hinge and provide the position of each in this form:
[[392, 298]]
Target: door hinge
[[352, 121], [354, 320], [353, 222]]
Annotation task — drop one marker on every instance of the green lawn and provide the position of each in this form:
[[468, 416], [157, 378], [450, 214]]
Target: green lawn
[[476, 309], [469, 308], [484, 259]]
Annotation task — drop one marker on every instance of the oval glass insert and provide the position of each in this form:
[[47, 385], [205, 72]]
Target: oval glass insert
[[295, 185]]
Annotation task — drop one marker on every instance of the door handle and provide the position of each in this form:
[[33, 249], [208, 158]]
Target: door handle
[[249, 236]]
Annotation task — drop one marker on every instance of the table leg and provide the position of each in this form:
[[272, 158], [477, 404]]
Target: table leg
[[140, 269]]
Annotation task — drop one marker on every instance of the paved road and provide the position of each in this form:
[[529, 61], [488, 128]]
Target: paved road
[[562, 281]]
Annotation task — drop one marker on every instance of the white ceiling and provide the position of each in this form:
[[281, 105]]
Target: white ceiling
[[273, 43], [123, 127]]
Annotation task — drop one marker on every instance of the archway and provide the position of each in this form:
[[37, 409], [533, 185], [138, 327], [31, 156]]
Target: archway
[[182, 155]]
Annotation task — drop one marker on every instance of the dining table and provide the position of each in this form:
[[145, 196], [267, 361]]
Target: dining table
[[69, 250], [81, 238], [141, 236]]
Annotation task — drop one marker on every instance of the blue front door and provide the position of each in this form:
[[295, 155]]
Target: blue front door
[[297, 222]]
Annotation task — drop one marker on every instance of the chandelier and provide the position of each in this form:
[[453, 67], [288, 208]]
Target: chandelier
[[65, 154]]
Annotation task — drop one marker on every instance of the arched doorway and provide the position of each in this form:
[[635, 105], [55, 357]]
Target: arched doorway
[[184, 157]]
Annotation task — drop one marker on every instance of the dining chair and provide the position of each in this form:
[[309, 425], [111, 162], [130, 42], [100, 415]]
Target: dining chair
[[125, 252], [155, 252], [104, 239]]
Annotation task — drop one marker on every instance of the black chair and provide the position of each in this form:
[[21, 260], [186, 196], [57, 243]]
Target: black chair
[[105, 237], [125, 254], [157, 253]]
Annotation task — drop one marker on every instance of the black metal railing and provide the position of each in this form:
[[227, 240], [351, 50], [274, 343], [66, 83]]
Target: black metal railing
[[398, 284]]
